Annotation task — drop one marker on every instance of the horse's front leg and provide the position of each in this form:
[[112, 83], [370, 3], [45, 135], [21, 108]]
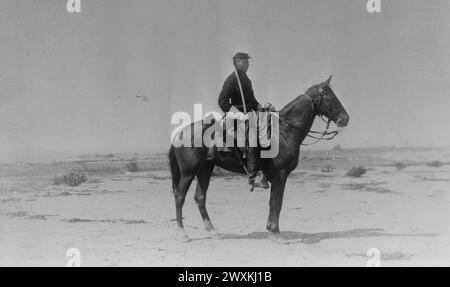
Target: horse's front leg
[[276, 202], [271, 209]]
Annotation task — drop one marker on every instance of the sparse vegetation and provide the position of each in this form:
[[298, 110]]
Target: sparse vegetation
[[120, 220], [435, 163], [368, 187], [71, 179], [400, 166], [327, 168], [26, 215], [356, 171], [132, 166]]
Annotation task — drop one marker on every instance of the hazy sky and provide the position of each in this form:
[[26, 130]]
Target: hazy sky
[[69, 81]]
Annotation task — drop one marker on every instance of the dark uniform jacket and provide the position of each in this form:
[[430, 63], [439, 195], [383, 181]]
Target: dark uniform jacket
[[231, 95]]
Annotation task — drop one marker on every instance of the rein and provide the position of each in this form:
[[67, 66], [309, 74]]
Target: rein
[[323, 135]]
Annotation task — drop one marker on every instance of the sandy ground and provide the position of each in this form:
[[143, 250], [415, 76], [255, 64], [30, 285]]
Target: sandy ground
[[121, 218]]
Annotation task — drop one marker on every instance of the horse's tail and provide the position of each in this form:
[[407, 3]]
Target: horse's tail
[[174, 168]]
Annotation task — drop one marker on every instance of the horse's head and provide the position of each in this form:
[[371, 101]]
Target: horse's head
[[326, 103]]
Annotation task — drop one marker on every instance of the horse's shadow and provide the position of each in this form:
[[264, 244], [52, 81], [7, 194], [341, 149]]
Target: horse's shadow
[[292, 237]]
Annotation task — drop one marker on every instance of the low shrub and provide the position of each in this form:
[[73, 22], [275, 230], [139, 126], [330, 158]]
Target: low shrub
[[71, 179], [132, 166], [327, 168], [435, 163], [400, 165], [356, 171]]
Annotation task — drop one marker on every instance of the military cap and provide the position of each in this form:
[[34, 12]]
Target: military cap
[[240, 55]]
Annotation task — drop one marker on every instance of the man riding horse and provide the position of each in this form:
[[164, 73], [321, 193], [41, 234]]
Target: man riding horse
[[237, 97], [295, 122]]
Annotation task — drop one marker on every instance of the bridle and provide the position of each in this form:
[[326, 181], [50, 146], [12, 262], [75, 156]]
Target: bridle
[[325, 135]]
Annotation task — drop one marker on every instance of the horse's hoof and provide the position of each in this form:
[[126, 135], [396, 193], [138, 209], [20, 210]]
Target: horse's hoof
[[216, 235], [184, 238], [276, 237]]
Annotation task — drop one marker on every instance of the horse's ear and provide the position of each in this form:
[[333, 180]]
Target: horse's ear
[[327, 82]]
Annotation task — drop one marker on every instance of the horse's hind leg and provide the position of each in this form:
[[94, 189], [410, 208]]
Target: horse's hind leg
[[203, 178], [180, 195]]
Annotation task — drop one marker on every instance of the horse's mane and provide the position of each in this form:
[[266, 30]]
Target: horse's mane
[[288, 108]]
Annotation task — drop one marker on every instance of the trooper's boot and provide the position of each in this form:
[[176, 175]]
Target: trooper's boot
[[252, 165], [263, 183]]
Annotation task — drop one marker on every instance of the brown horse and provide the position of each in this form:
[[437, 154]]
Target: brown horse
[[296, 119]]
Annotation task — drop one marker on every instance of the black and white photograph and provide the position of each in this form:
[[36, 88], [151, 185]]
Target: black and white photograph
[[224, 133]]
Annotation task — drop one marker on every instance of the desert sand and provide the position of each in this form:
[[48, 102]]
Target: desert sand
[[124, 218]]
